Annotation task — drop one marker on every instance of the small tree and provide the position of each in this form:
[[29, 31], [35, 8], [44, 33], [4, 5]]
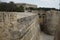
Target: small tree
[[20, 9], [8, 6], [11, 6]]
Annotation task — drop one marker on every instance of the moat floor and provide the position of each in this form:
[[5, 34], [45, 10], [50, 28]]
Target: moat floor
[[44, 36]]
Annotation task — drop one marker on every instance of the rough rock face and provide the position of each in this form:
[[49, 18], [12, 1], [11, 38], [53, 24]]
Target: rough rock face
[[57, 33], [52, 21], [13, 27]]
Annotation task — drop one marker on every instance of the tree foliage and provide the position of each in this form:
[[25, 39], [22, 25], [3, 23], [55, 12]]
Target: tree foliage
[[11, 7], [42, 8], [20, 9]]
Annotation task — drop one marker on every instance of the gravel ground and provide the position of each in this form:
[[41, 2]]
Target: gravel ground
[[44, 36]]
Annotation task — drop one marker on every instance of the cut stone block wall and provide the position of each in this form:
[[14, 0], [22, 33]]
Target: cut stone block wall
[[19, 26], [57, 32], [52, 21]]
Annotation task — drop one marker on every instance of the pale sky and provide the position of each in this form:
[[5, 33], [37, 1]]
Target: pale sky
[[39, 3]]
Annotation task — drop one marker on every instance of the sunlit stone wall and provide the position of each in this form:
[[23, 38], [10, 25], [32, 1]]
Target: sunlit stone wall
[[19, 26], [52, 21]]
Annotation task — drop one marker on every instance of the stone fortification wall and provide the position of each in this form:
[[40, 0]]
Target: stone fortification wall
[[18, 26], [57, 32], [52, 21]]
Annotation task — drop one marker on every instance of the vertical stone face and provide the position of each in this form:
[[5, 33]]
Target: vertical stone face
[[52, 21], [1, 25], [57, 34], [7, 25], [14, 28]]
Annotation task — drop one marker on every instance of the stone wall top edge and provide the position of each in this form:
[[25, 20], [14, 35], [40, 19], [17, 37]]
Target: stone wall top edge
[[26, 16], [20, 12]]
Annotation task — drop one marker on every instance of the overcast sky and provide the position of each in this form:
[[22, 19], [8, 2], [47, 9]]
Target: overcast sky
[[40, 3]]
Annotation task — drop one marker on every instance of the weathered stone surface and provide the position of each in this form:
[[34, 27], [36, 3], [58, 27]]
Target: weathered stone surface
[[57, 32], [52, 21], [18, 26]]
